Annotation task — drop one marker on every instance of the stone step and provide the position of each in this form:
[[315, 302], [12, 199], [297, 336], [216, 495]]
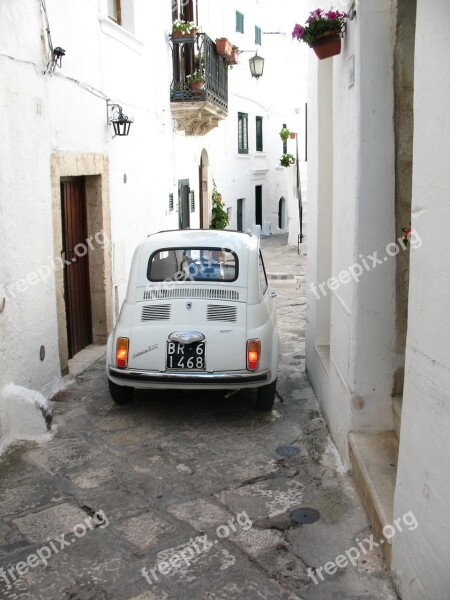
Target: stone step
[[374, 468]]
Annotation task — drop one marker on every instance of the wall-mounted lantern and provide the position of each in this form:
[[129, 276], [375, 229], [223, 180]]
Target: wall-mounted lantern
[[58, 54], [256, 66], [118, 120]]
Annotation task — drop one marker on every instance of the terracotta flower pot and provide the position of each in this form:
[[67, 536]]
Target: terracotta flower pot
[[223, 47], [327, 46], [234, 58], [180, 34]]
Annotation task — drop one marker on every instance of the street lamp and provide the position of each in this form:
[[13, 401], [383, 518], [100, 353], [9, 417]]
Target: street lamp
[[118, 120], [256, 66]]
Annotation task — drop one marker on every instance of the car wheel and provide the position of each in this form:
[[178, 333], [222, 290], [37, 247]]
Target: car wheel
[[120, 393], [265, 396]]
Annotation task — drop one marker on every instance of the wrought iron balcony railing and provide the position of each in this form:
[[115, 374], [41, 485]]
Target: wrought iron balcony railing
[[200, 74]]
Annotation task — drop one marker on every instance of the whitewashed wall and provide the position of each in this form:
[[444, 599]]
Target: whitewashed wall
[[420, 562], [351, 216]]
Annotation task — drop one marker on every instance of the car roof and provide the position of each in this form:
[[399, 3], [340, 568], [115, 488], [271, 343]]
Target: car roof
[[220, 238]]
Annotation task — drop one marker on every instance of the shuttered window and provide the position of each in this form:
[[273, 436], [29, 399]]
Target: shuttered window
[[257, 35], [243, 133], [259, 134], [239, 22]]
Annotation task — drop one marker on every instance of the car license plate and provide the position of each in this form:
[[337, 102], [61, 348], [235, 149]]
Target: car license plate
[[190, 357]]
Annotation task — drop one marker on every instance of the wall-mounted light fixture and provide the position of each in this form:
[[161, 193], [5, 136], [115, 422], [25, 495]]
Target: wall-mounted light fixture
[[57, 56], [256, 64], [118, 120]]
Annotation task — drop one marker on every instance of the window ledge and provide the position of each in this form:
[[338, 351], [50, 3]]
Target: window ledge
[[242, 155], [116, 32]]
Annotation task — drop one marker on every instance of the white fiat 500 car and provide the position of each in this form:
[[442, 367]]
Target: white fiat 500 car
[[198, 314]]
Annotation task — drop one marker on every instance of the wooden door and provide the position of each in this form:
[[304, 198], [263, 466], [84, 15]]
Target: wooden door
[[76, 264]]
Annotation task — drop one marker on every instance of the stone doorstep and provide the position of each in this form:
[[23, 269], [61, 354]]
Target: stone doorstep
[[374, 469]]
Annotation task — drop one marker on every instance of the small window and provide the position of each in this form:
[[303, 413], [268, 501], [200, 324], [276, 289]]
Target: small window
[[170, 202], [193, 264], [114, 11], [243, 133], [284, 141], [262, 275], [259, 134], [257, 35], [239, 22]]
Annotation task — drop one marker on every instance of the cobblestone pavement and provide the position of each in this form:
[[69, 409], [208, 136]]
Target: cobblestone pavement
[[195, 488]]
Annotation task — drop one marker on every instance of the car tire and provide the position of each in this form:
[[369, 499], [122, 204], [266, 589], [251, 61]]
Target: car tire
[[119, 393], [265, 396]]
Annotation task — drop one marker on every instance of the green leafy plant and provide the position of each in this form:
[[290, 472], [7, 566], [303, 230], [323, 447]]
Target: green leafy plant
[[220, 216], [287, 160], [284, 133], [184, 27], [198, 76], [320, 24]]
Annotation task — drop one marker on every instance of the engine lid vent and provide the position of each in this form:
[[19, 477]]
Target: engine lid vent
[[158, 312], [217, 312]]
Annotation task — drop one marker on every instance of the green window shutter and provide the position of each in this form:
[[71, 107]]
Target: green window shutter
[[243, 133], [259, 134], [170, 202], [257, 35], [284, 141], [192, 200], [239, 22]]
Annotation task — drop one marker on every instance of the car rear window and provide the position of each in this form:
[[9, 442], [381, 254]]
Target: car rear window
[[193, 264]]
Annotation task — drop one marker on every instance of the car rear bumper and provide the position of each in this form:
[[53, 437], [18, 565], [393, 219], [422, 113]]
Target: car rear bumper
[[147, 379]]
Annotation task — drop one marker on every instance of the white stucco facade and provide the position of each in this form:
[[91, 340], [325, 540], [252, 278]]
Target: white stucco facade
[[423, 485], [358, 161], [54, 125]]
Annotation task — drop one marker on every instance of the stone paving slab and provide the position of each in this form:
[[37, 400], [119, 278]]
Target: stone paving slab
[[173, 467]]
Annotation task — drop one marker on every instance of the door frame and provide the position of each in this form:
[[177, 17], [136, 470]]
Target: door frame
[[95, 169]]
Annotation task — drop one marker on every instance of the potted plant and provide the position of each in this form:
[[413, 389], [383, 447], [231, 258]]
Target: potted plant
[[220, 216], [196, 81], [287, 160], [183, 28], [322, 32], [234, 58], [284, 134], [223, 47]]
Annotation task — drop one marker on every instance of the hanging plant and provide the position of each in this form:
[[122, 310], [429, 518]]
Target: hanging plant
[[287, 160], [284, 134], [220, 216]]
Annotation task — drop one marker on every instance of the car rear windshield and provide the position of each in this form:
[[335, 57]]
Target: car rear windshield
[[193, 264]]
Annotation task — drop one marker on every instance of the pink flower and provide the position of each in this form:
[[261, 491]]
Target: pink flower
[[298, 32]]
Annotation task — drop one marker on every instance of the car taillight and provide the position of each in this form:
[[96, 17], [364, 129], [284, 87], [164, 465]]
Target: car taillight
[[122, 353], [253, 354]]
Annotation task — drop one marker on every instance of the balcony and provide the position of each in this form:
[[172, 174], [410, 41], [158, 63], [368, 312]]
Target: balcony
[[199, 90]]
